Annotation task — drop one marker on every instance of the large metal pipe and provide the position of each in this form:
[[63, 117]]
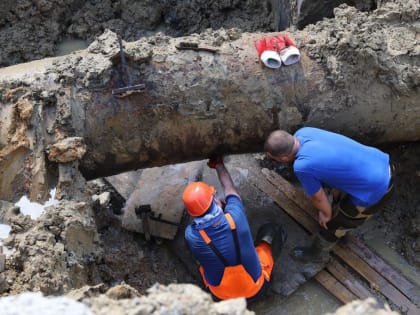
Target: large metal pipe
[[198, 102]]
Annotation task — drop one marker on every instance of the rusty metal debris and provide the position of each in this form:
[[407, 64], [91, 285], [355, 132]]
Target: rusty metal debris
[[195, 46], [129, 88]]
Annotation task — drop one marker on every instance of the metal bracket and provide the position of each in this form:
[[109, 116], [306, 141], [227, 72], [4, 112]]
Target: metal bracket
[[143, 211]]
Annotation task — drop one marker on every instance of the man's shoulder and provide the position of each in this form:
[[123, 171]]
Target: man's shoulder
[[234, 204], [192, 236], [233, 201], [232, 197], [308, 131]]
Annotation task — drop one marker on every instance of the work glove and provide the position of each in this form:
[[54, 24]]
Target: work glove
[[214, 161], [289, 54], [267, 51]]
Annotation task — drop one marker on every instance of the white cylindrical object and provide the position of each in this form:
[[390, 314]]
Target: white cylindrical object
[[271, 59], [290, 55]]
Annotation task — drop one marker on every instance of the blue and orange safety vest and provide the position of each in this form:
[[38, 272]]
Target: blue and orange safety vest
[[236, 281]]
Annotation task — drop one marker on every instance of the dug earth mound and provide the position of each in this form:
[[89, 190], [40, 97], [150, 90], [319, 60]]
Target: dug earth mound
[[61, 127]]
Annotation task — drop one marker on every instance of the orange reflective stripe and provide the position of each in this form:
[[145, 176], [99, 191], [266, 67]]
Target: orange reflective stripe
[[230, 220], [205, 237], [201, 270]]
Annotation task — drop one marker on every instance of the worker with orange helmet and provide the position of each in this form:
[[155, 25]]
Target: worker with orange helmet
[[220, 239]]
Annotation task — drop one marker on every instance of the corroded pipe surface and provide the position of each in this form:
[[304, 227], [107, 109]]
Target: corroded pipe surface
[[198, 102]]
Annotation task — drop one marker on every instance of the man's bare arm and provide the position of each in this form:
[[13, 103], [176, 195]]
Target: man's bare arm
[[320, 201], [226, 180]]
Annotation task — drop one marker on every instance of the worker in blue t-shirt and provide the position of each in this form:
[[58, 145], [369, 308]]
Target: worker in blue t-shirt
[[359, 176], [220, 239]]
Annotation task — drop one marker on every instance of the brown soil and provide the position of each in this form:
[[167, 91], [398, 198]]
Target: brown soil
[[79, 242]]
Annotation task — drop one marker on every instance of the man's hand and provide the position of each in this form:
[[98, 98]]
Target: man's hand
[[323, 219], [215, 161], [321, 202]]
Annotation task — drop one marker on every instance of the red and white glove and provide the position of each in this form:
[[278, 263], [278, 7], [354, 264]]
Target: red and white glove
[[267, 49], [289, 54]]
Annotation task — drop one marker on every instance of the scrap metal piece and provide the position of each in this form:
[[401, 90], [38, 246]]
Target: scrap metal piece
[[195, 46], [143, 212], [127, 90], [130, 88]]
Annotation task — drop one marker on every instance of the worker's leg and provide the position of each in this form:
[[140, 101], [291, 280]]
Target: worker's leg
[[266, 258], [318, 251], [349, 216], [346, 217], [269, 242], [264, 252], [338, 226], [273, 234]]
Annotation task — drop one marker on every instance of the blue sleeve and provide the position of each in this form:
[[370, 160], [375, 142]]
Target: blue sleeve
[[234, 204], [310, 184]]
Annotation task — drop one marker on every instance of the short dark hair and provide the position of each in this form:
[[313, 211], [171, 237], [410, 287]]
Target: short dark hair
[[279, 142]]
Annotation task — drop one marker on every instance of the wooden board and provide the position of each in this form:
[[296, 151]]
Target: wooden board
[[283, 201], [292, 193], [376, 280], [381, 277], [377, 263], [335, 287], [339, 271]]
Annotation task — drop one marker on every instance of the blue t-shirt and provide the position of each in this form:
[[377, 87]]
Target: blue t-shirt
[[328, 158], [219, 231]]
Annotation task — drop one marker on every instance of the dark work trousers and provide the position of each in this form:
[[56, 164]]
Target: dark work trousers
[[347, 216]]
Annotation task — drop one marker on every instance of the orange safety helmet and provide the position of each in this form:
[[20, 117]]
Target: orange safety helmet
[[197, 198]]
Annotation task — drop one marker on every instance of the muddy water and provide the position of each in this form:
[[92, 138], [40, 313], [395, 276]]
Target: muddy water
[[35, 209], [4, 232], [310, 299], [375, 240], [70, 45]]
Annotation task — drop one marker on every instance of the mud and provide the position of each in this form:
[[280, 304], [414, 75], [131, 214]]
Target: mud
[[32, 30], [80, 241]]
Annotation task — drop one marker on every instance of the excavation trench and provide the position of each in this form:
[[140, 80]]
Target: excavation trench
[[103, 251], [380, 233], [61, 128]]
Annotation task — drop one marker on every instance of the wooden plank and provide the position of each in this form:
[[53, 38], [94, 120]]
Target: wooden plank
[[363, 251], [335, 287], [289, 206], [375, 280], [296, 205], [347, 279], [294, 194]]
